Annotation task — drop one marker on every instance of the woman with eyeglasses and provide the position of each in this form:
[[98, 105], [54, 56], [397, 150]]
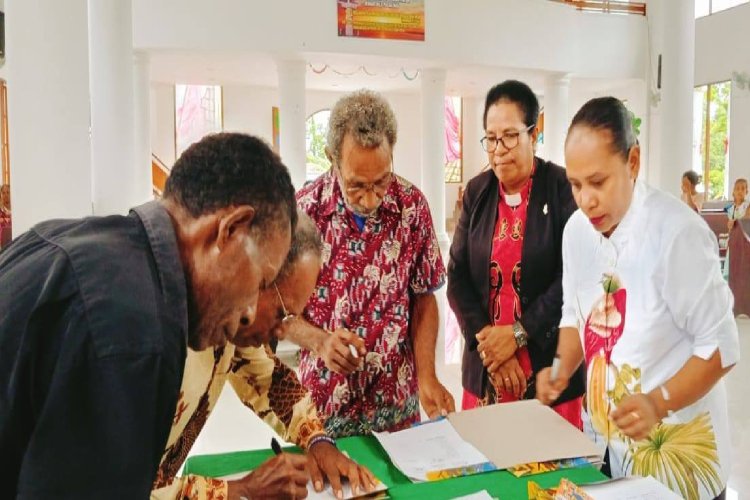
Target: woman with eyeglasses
[[646, 311], [505, 270]]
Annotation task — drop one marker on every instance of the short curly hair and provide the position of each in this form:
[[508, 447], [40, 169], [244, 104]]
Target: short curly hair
[[305, 240], [364, 114], [226, 169]]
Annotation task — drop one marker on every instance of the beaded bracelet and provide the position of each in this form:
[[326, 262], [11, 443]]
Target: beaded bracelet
[[319, 438]]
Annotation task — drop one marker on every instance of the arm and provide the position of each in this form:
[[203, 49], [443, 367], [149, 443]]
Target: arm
[[540, 318], [463, 298], [569, 348], [332, 347], [701, 305], [435, 398], [273, 392], [570, 352], [428, 274]]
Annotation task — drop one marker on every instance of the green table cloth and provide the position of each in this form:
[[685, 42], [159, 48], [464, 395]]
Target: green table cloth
[[367, 451]]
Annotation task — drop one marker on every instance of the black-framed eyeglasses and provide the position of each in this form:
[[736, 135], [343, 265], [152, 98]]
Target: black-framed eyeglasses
[[378, 187], [287, 315], [509, 140]]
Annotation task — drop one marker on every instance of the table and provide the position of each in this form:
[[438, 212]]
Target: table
[[367, 451]]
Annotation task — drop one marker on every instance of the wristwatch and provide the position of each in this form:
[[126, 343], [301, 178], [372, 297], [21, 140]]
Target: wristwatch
[[665, 395], [519, 332]]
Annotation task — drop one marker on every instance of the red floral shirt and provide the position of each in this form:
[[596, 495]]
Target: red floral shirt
[[366, 285]]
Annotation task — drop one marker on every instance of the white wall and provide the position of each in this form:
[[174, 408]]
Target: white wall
[[162, 122], [722, 46], [48, 110], [248, 109], [469, 31]]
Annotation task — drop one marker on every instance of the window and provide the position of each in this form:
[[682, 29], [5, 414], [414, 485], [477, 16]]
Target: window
[[711, 137], [315, 142], [708, 7], [453, 140], [198, 112]]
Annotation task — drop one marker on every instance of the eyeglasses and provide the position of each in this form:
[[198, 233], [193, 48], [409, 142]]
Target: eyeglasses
[[287, 315], [509, 140], [378, 187]]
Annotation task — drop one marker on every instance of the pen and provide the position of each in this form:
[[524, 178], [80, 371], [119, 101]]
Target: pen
[[555, 368], [275, 446]]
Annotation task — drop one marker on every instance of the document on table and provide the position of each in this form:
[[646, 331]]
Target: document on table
[[522, 432], [427, 448], [327, 493], [631, 488]]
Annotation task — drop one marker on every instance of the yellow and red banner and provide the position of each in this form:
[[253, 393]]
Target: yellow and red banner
[[384, 19]]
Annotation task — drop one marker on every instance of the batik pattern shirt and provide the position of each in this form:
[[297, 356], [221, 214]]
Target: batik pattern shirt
[[262, 382], [645, 300], [367, 284]]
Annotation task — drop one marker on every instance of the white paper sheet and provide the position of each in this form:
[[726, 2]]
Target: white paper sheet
[[631, 488], [429, 447]]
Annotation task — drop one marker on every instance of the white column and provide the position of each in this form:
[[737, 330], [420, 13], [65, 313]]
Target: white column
[[48, 110], [433, 176], [556, 119], [112, 106], [142, 109], [673, 26], [292, 116], [433, 147]]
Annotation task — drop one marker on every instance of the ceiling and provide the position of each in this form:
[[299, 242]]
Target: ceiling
[[341, 72]]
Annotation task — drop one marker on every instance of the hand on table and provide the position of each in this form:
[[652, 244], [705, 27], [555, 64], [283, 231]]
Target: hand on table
[[325, 461], [283, 476], [435, 398]]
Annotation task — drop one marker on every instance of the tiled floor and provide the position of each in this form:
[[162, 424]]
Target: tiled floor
[[231, 427]]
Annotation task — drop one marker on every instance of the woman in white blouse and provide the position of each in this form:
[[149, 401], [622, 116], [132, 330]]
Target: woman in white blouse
[[647, 311]]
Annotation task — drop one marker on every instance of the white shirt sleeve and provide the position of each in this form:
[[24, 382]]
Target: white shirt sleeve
[[569, 318], [696, 295]]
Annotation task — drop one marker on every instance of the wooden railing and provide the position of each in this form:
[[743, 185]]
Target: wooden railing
[[607, 6], [159, 174]]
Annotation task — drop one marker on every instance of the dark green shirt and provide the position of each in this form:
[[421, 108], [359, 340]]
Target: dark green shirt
[[93, 334]]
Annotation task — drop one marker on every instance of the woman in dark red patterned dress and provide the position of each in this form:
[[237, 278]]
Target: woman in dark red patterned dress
[[505, 270]]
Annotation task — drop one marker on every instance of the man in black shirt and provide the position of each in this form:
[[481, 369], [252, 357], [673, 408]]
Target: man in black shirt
[[96, 315]]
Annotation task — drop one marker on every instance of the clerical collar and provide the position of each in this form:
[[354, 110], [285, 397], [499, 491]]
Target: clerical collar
[[513, 200]]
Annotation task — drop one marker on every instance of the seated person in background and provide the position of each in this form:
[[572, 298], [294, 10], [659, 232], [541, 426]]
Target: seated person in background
[[693, 198], [96, 315], [267, 387], [739, 208]]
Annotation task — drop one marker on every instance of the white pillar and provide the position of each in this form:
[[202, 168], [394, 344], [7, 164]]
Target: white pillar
[[48, 110], [433, 175], [556, 119], [112, 113], [433, 148], [142, 109], [292, 116], [674, 38]]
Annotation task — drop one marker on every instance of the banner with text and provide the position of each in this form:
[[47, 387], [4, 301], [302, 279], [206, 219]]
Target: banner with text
[[385, 19]]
